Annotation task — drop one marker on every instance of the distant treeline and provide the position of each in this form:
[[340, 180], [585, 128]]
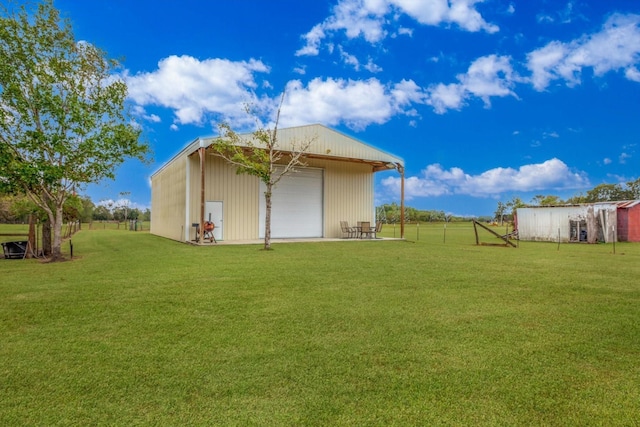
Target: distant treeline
[[390, 213], [17, 208]]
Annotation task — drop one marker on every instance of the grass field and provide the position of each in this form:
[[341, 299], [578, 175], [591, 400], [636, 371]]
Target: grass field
[[140, 330]]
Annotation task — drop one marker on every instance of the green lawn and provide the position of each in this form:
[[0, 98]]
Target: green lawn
[[140, 330]]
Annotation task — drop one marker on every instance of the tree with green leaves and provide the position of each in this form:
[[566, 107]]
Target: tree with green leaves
[[260, 155], [633, 189], [576, 199], [548, 200], [87, 209], [513, 204], [101, 213], [500, 211], [62, 118], [607, 193]]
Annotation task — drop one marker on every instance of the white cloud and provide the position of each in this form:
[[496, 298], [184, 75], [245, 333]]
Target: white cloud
[[542, 61], [632, 74], [567, 15], [357, 18], [353, 61], [435, 12], [446, 97], [563, 16], [542, 18], [487, 77], [354, 103], [464, 14], [121, 203], [349, 59], [623, 158], [195, 89], [372, 67], [369, 19], [435, 181], [139, 112], [615, 47], [314, 39], [607, 161]]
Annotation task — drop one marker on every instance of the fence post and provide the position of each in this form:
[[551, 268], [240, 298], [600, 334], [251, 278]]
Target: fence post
[[444, 234]]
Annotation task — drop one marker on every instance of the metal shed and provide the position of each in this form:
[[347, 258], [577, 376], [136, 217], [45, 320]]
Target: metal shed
[[337, 184], [570, 223], [629, 221]]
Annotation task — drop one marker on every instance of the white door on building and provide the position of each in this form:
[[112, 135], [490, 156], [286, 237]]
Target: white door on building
[[297, 205], [213, 212]]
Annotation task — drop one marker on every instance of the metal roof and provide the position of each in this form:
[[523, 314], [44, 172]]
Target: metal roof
[[625, 204], [327, 144]]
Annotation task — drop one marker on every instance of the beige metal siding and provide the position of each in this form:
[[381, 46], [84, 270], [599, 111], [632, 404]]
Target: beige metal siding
[[348, 194], [238, 194], [168, 197]]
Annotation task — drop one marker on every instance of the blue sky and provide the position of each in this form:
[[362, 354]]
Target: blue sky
[[484, 100]]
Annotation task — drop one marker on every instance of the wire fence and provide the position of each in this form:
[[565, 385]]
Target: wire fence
[[32, 241], [131, 225]]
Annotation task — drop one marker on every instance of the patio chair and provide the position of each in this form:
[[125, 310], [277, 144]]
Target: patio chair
[[365, 229], [376, 229], [349, 231]]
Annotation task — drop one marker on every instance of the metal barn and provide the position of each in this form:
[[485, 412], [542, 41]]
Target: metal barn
[[337, 184]]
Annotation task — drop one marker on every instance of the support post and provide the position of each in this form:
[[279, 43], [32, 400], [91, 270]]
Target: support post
[[32, 237], [201, 152], [401, 170]]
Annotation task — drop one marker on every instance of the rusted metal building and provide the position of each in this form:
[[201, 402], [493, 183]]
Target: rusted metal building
[[337, 184], [591, 222]]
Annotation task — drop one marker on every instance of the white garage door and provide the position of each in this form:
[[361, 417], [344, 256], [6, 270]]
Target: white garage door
[[296, 209]]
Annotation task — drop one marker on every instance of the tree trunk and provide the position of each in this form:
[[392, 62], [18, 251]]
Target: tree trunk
[[267, 219], [46, 237], [32, 237], [56, 247]]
